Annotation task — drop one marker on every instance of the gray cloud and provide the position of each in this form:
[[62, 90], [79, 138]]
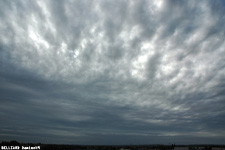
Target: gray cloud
[[112, 72]]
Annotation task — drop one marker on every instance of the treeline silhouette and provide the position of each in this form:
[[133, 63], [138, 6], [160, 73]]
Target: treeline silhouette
[[42, 146]]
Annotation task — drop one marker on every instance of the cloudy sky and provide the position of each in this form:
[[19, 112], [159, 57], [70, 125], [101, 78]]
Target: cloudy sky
[[112, 71]]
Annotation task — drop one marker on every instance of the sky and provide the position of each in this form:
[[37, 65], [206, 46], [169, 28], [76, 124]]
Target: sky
[[112, 71]]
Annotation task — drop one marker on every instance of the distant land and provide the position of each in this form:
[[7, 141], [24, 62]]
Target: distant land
[[10, 145]]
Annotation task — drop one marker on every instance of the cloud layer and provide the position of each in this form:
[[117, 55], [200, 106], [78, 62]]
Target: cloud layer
[[112, 72]]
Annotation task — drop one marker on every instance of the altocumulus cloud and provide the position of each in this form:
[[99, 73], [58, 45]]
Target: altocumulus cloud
[[112, 72]]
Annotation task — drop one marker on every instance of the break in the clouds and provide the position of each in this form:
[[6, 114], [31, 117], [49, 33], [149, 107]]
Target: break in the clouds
[[112, 72]]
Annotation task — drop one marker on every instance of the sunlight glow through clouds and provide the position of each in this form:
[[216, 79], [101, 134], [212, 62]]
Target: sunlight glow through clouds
[[146, 51], [37, 39]]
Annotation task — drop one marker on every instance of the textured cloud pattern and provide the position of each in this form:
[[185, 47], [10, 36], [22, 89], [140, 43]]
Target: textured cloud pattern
[[97, 72]]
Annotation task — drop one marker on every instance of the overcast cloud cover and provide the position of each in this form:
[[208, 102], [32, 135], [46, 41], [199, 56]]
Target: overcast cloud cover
[[112, 72]]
